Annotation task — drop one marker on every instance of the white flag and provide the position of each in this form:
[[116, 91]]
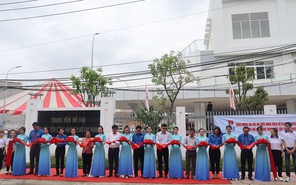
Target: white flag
[[231, 97]]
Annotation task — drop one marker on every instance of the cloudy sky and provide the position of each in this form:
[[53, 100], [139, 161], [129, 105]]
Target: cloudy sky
[[60, 45]]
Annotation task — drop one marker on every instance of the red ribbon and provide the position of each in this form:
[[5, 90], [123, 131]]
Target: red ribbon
[[148, 142], [14, 140], [42, 140], [213, 147], [123, 139], [9, 154], [135, 146], [203, 143], [242, 146], [110, 142], [158, 146], [189, 147], [174, 142], [96, 139], [56, 140]]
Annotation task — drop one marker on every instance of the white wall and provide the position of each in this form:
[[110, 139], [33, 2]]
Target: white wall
[[281, 15]]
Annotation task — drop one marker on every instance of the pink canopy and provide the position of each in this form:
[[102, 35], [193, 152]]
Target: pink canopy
[[54, 94]]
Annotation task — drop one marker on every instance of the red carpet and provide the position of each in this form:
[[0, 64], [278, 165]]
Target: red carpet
[[119, 180]]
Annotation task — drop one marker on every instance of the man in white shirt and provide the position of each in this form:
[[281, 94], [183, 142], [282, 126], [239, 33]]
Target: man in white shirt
[[289, 142], [163, 137], [113, 151]]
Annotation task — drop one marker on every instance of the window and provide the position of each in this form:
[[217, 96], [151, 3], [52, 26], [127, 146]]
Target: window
[[263, 69], [252, 25]]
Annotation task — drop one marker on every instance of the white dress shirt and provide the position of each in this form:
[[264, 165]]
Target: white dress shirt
[[114, 137], [163, 138], [289, 138], [275, 143], [2, 142]]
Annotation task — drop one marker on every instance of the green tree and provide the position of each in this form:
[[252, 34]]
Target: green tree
[[90, 84], [258, 100], [243, 77], [150, 118], [171, 73]]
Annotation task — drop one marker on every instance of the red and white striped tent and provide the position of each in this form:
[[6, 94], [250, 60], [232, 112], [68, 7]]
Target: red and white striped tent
[[54, 94]]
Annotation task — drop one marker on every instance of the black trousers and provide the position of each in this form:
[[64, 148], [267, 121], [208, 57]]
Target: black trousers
[[287, 159], [8, 167], [278, 161], [163, 155], [190, 158], [247, 156], [60, 155], [1, 157], [113, 155], [215, 156], [86, 160], [34, 154], [138, 156]]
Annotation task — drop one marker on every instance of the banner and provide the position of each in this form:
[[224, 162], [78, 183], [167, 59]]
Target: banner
[[253, 121]]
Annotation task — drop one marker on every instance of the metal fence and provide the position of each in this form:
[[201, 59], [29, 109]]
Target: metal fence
[[196, 121]]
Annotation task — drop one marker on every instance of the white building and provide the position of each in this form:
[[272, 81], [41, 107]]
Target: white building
[[235, 30]]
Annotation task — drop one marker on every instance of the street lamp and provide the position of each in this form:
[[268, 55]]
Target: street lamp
[[92, 50], [5, 94]]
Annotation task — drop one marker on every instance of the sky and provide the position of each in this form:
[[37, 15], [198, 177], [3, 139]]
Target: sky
[[138, 31]]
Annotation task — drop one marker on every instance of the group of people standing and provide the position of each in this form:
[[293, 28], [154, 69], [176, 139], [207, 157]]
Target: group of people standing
[[122, 163]]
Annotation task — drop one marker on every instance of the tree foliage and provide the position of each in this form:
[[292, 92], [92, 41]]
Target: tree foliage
[[90, 84], [171, 74], [150, 118], [243, 78]]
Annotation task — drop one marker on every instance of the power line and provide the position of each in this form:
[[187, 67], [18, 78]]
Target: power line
[[70, 12], [264, 55], [40, 6], [146, 61], [147, 72], [17, 2], [205, 88]]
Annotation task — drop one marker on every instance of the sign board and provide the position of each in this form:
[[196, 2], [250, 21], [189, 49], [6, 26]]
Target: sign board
[[80, 120], [254, 121]]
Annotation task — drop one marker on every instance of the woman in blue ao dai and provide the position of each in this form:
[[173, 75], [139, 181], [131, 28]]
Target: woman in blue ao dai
[[98, 163], [19, 158], [44, 156], [125, 168], [176, 165], [262, 166], [230, 165], [202, 160], [149, 170], [72, 157]]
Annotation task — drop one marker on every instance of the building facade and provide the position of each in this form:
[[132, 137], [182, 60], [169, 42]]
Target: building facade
[[256, 34]]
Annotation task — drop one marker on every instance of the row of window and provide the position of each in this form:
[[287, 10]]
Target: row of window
[[263, 69], [250, 25]]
